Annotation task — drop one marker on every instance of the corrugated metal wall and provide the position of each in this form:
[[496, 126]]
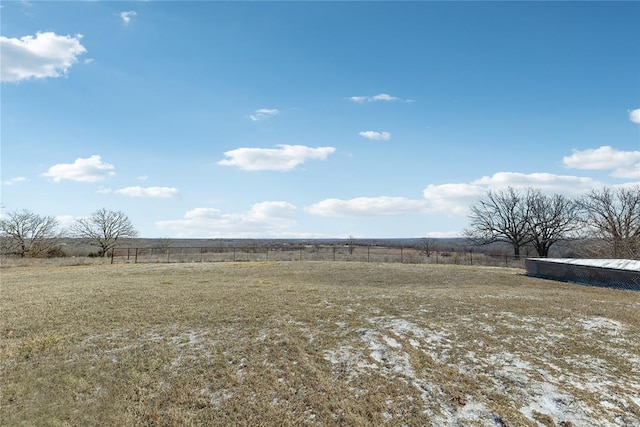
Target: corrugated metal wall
[[587, 275]]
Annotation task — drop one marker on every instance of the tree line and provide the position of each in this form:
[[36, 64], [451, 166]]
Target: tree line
[[608, 219], [24, 233]]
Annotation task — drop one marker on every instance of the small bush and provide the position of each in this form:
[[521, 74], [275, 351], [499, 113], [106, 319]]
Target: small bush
[[56, 252]]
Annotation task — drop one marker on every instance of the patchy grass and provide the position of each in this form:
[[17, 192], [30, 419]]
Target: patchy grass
[[304, 343]]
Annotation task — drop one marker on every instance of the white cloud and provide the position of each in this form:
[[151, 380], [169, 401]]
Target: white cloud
[[143, 177], [283, 158], [265, 219], [91, 169], [370, 134], [384, 97], [366, 206], [40, 56], [451, 198], [66, 220], [443, 234], [126, 16], [264, 113], [375, 98], [150, 192], [14, 181], [634, 115], [632, 172], [546, 182], [625, 164], [456, 198]]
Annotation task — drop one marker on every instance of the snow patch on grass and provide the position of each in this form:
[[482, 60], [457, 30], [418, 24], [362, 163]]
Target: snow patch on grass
[[602, 324], [539, 387], [545, 399]]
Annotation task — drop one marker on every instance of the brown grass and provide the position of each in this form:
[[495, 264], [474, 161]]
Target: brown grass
[[304, 343]]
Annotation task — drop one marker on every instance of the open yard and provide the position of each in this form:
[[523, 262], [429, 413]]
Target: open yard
[[314, 343]]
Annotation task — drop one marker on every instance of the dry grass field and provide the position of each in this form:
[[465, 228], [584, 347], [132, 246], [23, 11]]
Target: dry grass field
[[313, 343]]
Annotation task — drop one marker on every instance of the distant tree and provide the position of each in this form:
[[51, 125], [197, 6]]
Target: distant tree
[[426, 246], [163, 244], [104, 228], [614, 217], [25, 233], [551, 219], [500, 216]]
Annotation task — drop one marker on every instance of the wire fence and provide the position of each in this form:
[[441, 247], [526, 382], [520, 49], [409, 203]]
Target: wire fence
[[359, 253]]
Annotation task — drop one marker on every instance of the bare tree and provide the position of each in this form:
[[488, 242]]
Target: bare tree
[[104, 228], [163, 243], [426, 246], [500, 216], [614, 217], [551, 219], [26, 233]]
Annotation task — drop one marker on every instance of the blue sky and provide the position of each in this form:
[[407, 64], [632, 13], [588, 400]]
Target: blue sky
[[312, 119]]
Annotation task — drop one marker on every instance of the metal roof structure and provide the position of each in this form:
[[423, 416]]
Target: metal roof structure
[[618, 264]]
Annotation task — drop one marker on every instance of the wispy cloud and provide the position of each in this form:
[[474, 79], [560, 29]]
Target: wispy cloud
[[283, 158], [149, 192], [91, 169], [264, 113], [14, 181], [370, 134], [442, 234], [40, 56], [270, 218], [366, 206], [624, 164], [634, 115], [381, 97], [566, 184], [127, 16]]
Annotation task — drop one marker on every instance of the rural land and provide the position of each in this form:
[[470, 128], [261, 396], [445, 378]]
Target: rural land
[[313, 343], [320, 213]]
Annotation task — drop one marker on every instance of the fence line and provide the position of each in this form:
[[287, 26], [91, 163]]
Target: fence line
[[362, 253]]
